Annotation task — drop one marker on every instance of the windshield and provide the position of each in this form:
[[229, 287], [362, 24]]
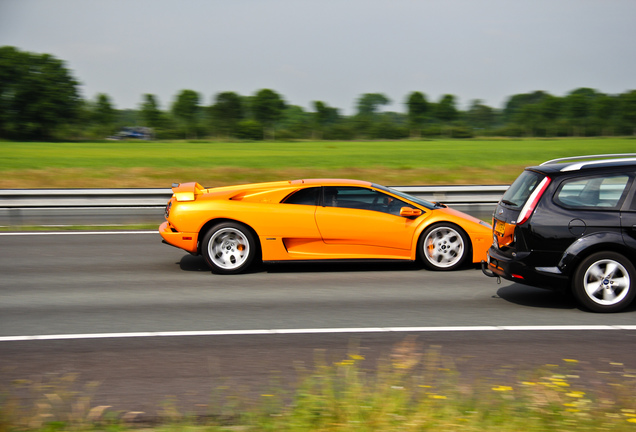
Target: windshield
[[426, 204], [520, 190]]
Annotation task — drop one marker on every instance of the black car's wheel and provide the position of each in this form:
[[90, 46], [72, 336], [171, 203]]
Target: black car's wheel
[[604, 282], [229, 248], [443, 246]]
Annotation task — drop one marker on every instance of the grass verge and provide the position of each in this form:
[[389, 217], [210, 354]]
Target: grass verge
[[411, 390]]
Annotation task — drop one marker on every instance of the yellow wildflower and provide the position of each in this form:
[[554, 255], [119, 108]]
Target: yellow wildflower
[[502, 388]]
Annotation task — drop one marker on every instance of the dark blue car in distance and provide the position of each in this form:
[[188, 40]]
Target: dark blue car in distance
[[570, 224]]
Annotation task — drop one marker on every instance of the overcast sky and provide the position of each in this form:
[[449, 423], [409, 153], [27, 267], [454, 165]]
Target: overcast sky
[[331, 50]]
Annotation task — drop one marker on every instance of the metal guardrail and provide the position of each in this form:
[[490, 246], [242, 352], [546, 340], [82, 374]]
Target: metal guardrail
[[141, 206]]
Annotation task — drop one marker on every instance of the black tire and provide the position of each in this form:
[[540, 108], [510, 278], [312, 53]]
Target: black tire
[[604, 282], [229, 248], [443, 246]]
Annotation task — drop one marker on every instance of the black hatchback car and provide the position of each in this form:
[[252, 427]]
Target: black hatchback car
[[570, 224]]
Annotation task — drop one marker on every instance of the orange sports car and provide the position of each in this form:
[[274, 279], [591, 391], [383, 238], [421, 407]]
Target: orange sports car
[[321, 219]]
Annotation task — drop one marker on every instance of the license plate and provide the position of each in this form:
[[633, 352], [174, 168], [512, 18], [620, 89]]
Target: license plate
[[500, 228]]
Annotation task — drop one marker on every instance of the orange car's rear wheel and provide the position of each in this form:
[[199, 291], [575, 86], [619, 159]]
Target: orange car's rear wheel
[[228, 248], [443, 246]]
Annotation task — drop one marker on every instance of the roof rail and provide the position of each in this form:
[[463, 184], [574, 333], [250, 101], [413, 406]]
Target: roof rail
[[590, 157]]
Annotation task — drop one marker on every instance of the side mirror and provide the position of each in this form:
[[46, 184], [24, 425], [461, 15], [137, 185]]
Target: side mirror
[[409, 212]]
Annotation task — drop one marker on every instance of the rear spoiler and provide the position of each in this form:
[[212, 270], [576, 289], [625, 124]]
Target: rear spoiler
[[187, 191]]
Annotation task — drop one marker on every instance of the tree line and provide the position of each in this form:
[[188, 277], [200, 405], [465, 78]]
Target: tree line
[[40, 99]]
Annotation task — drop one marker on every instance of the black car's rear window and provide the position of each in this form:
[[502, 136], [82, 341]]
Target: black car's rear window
[[521, 189]]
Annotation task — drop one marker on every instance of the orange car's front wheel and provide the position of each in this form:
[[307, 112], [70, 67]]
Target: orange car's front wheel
[[443, 246], [228, 248]]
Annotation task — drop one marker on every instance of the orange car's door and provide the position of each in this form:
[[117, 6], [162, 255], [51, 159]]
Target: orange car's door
[[294, 217], [376, 221]]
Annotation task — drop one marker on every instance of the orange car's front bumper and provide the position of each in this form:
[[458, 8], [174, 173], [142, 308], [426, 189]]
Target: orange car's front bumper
[[185, 241]]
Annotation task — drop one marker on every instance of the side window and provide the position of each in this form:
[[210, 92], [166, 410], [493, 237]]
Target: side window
[[605, 192], [632, 205], [362, 199], [307, 196]]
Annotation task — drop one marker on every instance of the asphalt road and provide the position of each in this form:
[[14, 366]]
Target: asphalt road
[[109, 308]]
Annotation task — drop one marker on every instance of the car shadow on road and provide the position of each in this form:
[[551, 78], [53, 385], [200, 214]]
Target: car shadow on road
[[193, 263], [542, 298], [536, 297], [197, 264], [340, 266]]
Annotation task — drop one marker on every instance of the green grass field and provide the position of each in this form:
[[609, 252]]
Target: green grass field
[[140, 164]]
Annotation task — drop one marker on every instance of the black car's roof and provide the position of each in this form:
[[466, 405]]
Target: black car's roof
[[586, 164]]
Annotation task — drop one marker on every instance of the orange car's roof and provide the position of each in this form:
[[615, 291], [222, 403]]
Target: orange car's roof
[[286, 183], [274, 187], [332, 182]]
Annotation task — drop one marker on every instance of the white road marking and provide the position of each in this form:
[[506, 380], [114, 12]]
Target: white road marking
[[41, 233], [314, 331]]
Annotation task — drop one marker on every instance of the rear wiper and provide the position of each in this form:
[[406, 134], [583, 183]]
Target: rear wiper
[[440, 205], [510, 203]]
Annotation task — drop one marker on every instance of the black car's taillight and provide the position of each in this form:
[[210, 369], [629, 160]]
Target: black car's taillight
[[532, 200]]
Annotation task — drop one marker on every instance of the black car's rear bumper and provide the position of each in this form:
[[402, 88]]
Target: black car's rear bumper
[[518, 269]]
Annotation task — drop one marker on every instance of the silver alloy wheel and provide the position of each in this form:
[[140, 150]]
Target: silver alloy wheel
[[228, 248], [606, 282], [443, 247]]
